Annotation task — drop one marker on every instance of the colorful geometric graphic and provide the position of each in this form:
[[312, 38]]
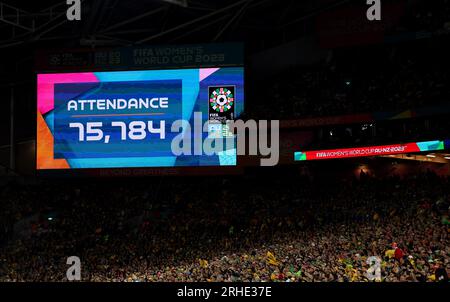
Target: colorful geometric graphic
[[221, 99]]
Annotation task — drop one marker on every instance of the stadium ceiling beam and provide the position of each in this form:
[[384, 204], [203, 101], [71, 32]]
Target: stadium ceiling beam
[[286, 10], [130, 31], [198, 28], [111, 9], [108, 40], [94, 16], [235, 17], [53, 18], [314, 13], [219, 11], [131, 20], [17, 15], [203, 5], [10, 43], [42, 29], [52, 10], [182, 3], [46, 31], [104, 7]]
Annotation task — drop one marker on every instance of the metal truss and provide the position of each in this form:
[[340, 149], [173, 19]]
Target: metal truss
[[154, 21]]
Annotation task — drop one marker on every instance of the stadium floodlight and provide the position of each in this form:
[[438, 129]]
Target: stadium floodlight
[[182, 3]]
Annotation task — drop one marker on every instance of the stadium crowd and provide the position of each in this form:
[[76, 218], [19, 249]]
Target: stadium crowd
[[385, 78], [241, 228], [405, 74], [267, 227]]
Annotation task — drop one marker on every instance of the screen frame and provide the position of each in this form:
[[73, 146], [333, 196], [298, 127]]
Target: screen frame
[[162, 170]]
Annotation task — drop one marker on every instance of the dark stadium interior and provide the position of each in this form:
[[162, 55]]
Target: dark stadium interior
[[332, 80]]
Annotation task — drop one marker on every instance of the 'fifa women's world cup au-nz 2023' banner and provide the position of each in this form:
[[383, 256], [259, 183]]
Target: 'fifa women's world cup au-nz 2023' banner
[[370, 151], [129, 118]]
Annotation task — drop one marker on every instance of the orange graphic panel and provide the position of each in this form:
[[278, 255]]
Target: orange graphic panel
[[45, 156]]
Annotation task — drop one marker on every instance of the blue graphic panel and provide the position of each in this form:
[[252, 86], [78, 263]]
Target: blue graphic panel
[[118, 107]]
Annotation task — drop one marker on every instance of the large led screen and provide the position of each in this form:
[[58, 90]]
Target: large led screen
[[126, 119]]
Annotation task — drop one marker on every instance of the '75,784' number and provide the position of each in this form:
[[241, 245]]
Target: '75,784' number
[[136, 130]]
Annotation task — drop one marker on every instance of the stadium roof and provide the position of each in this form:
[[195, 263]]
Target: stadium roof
[[27, 26], [127, 22]]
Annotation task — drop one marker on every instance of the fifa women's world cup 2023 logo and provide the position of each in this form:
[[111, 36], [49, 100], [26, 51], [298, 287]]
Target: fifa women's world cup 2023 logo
[[222, 100], [221, 103]]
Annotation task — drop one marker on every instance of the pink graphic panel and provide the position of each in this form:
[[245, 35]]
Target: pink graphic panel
[[46, 82], [206, 72]]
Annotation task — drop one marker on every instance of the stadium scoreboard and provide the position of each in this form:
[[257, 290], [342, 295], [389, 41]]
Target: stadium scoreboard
[[130, 119]]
